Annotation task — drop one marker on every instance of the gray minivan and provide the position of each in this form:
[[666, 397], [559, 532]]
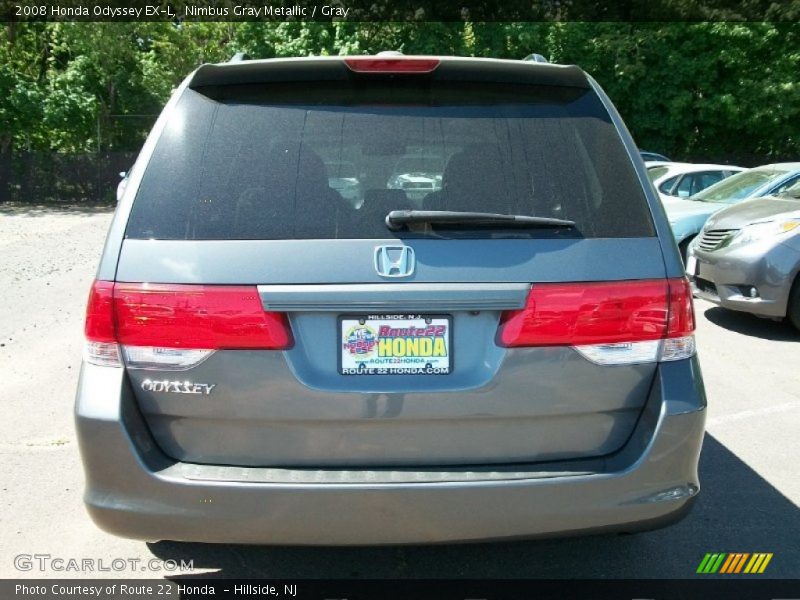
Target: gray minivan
[[511, 355]]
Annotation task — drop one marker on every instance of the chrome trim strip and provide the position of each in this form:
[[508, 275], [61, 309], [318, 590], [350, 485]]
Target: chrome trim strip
[[394, 297]]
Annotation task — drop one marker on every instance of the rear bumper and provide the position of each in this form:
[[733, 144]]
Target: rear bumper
[[134, 490]]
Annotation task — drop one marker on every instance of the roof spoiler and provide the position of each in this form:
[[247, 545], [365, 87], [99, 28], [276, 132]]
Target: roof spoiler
[[334, 68]]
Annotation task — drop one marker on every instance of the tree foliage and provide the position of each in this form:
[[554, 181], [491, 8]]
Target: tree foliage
[[697, 91]]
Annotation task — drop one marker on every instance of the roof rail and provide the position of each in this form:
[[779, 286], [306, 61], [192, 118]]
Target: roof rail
[[536, 58], [239, 57]]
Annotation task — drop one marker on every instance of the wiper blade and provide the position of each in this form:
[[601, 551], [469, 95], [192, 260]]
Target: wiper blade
[[397, 219]]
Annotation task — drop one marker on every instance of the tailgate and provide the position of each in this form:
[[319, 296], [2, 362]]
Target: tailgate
[[296, 407]]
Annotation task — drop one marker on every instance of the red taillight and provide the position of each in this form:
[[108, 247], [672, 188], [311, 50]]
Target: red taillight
[[99, 326], [681, 308], [391, 65], [197, 316], [184, 316], [577, 314]]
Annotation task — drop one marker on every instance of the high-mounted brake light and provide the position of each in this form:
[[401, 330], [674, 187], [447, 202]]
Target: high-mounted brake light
[[391, 65], [621, 322], [177, 326]]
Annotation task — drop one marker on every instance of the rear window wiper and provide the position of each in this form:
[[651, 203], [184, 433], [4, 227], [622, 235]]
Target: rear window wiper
[[397, 219]]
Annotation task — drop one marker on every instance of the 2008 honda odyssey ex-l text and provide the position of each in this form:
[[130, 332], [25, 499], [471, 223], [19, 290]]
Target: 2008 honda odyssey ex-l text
[[507, 354]]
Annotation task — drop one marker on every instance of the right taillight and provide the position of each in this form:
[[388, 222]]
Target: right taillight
[[681, 308], [177, 326], [620, 322], [680, 330]]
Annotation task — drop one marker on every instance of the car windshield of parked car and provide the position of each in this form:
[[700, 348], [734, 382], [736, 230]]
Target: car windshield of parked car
[[261, 161], [655, 172], [792, 192], [737, 187]]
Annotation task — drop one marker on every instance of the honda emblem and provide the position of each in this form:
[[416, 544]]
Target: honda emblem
[[394, 261]]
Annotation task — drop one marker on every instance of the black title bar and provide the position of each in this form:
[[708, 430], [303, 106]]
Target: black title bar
[[192, 588], [399, 10]]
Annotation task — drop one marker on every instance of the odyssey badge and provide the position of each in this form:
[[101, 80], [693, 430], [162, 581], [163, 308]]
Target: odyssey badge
[[178, 387]]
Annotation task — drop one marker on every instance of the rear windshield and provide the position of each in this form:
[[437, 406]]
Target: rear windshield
[[330, 160]]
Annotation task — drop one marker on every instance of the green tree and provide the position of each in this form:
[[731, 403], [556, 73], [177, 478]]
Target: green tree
[[698, 91]]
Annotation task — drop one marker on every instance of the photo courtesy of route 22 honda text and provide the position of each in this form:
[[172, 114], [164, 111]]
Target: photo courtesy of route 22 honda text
[[388, 300]]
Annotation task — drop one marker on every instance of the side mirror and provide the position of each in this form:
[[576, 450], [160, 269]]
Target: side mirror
[[123, 174]]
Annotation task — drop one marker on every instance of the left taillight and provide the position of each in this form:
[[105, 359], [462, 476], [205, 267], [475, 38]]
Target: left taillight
[[101, 346], [177, 326]]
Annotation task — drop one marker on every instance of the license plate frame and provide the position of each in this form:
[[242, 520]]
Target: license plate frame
[[350, 364]]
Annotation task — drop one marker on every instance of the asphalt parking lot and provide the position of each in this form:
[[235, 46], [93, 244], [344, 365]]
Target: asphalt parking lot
[[749, 474]]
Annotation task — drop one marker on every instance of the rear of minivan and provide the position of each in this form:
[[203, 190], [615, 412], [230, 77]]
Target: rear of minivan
[[501, 346]]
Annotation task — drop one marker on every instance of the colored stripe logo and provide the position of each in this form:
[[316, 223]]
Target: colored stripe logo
[[734, 562]]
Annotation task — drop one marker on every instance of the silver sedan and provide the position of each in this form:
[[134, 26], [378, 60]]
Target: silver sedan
[[747, 257]]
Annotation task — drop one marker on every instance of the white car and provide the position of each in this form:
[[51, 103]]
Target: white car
[[675, 180]]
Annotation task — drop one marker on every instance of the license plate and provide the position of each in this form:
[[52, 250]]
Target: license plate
[[691, 266], [407, 344]]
